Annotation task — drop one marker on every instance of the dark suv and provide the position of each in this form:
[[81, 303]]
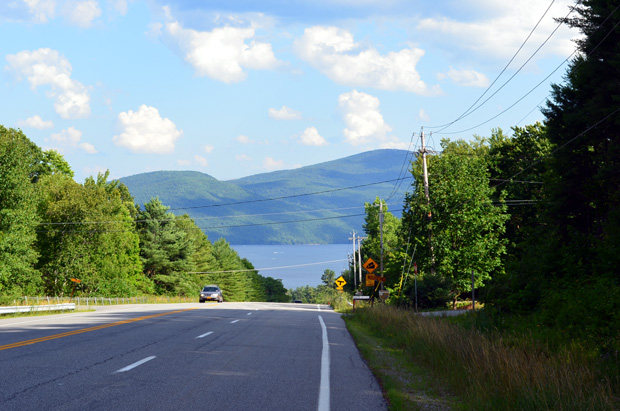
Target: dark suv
[[211, 293]]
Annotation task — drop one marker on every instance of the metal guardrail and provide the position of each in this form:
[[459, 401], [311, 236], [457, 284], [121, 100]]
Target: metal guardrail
[[31, 308]]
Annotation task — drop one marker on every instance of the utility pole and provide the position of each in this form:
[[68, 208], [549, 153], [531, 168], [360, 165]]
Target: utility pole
[[359, 255], [354, 265], [428, 200], [381, 237]]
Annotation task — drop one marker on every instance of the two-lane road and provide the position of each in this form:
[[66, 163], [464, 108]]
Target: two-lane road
[[232, 356]]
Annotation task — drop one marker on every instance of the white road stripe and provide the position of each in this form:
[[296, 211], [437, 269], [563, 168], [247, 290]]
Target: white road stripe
[[205, 334], [235, 321], [136, 364], [249, 313], [324, 386], [318, 306]]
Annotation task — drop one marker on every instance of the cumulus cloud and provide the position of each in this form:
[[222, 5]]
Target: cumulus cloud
[[489, 37], [201, 160], [145, 131], [422, 115], [208, 148], [468, 78], [120, 6], [41, 10], [333, 51], [244, 139], [46, 67], [270, 163], [311, 137], [81, 13], [36, 122], [364, 122], [71, 138], [285, 113], [222, 54]]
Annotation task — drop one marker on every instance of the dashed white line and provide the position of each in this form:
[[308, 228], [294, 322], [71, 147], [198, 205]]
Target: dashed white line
[[205, 334], [249, 313], [136, 364], [324, 385], [234, 321]]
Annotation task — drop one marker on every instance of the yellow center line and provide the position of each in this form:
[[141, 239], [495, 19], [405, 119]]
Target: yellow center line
[[85, 330]]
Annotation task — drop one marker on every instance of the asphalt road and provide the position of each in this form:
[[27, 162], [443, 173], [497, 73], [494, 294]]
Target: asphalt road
[[231, 356]]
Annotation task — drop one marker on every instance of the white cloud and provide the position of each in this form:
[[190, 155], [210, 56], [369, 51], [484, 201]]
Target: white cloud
[[201, 160], [81, 13], [119, 5], [270, 163], [467, 78], [502, 32], [41, 10], [208, 148], [46, 67], [422, 115], [365, 124], [184, 163], [244, 139], [223, 53], [36, 122], [89, 148], [311, 137], [285, 113], [333, 51], [145, 131], [70, 138], [243, 157]]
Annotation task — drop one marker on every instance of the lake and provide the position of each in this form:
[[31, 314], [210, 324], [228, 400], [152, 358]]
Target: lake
[[296, 265]]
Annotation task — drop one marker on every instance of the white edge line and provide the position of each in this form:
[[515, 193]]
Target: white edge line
[[324, 385], [205, 334], [234, 321], [136, 364]]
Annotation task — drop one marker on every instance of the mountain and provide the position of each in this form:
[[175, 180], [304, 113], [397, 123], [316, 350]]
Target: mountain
[[317, 204]]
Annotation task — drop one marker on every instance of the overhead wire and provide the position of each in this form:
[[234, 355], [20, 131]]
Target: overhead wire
[[469, 109]]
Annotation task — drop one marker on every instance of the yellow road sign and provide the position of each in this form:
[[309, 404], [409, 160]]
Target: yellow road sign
[[370, 265], [340, 282]]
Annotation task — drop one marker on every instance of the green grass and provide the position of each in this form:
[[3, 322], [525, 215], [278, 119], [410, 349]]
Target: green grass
[[484, 371]]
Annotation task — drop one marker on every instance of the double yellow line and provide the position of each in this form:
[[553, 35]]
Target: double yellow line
[[85, 330]]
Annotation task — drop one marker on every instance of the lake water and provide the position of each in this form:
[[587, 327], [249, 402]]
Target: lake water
[[296, 265]]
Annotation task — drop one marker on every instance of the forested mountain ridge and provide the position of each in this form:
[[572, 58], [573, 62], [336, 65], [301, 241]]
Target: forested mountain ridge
[[311, 204]]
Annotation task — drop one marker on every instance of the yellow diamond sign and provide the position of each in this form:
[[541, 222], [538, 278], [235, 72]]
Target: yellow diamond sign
[[340, 282]]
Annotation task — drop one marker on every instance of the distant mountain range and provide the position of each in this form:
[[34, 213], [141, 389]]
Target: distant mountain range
[[317, 204]]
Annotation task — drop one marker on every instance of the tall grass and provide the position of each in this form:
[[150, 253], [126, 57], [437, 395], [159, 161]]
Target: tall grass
[[487, 372]]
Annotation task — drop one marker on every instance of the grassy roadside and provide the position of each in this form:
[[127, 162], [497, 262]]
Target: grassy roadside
[[409, 354], [406, 385]]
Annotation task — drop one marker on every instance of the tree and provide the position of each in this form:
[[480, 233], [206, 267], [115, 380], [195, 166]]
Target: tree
[[467, 225], [579, 246], [87, 232], [328, 277], [18, 215]]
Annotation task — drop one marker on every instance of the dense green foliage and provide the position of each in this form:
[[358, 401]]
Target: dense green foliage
[[54, 230], [273, 208]]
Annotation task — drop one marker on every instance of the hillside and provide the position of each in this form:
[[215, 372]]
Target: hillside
[[274, 208]]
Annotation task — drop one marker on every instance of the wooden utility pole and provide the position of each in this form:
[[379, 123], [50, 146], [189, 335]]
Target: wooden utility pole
[[428, 200], [354, 262], [381, 237]]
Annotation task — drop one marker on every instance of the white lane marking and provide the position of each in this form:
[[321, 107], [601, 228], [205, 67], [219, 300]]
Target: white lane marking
[[318, 306], [205, 334], [235, 321], [136, 364], [324, 386], [249, 313]]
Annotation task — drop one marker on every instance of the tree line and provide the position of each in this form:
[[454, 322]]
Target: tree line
[[534, 216], [53, 229]]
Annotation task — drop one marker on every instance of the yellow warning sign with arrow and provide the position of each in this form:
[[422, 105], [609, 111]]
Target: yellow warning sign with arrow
[[340, 282]]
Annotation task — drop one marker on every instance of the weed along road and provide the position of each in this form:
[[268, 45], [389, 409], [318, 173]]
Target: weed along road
[[231, 356]]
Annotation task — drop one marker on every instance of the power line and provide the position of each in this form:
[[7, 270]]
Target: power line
[[268, 268], [469, 110]]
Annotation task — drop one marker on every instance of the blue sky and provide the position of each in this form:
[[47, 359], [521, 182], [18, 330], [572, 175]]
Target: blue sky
[[235, 88]]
